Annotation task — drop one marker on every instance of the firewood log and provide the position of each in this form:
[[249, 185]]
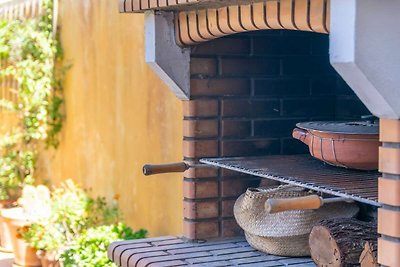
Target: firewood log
[[339, 242], [368, 256]]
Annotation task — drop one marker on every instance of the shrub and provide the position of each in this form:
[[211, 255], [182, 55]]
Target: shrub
[[71, 212], [90, 248], [30, 54]]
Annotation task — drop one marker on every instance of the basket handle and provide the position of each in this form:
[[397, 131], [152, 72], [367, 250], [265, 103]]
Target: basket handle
[[298, 203]]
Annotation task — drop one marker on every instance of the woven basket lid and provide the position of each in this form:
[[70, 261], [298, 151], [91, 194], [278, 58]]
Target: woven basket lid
[[250, 214]]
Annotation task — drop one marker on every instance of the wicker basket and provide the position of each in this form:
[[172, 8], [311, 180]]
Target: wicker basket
[[284, 233], [292, 246]]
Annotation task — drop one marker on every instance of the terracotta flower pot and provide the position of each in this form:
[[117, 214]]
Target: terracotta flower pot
[[5, 234], [48, 259], [24, 254]]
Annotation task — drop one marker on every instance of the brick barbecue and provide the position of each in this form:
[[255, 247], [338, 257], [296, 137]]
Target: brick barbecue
[[242, 97], [248, 92]]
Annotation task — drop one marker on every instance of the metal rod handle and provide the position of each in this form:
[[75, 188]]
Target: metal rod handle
[[150, 169]]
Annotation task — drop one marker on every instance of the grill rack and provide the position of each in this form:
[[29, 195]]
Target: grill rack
[[305, 171]]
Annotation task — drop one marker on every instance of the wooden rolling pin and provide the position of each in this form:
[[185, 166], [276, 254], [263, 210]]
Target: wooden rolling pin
[[150, 169], [300, 203]]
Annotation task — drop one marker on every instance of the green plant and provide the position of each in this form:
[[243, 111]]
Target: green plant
[[72, 212], [30, 53], [90, 249]]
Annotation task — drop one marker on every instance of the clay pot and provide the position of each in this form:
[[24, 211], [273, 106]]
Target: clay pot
[[5, 235], [354, 151], [24, 254], [48, 259]]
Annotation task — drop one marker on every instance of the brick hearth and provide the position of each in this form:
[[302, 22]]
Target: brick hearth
[[173, 251]]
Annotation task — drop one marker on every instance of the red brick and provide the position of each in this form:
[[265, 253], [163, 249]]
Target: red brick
[[250, 148], [201, 172], [389, 191], [203, 66], [389, 223], [290, 146], [275, 128], [388, 253], [168, 263], [223, 46], [128, 259], [227, 208], [250, 66], [389, 130], [350, 107], [200, 148], [236, 187], [306, 65], [325, 85], [282, 87], [389, 160], [319, 44], [198, 190], [200, 108], [246, 108], [235, 128], [200, 210], [230, 228], [282, 45], [317, 106], [220, 87], [200, 128], [200, 230]]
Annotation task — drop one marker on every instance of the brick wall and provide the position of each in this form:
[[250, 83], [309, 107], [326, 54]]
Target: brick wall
[[389, 193], [247, 93]]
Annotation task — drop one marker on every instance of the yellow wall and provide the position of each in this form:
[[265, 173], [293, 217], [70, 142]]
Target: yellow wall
[[119, 117]]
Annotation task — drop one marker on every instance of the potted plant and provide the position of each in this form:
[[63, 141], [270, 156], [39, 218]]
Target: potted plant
[[16, 168], [90, 248], [34, 204], [70, 207], [5, 234], [72, 211]]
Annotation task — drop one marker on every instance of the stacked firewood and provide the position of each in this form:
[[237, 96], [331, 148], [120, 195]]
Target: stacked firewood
[[344, 242]]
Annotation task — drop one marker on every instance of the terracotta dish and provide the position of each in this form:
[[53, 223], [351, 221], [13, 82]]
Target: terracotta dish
[[351, 145]]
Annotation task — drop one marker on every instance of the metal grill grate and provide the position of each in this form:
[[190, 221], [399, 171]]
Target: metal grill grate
[[305, 171]]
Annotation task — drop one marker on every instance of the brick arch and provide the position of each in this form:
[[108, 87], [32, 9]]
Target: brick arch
[[196, 26]]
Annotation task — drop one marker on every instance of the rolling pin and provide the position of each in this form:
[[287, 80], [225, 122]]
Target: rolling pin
[[300, 203]]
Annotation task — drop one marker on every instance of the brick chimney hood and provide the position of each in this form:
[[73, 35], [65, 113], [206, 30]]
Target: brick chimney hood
[[172, 26], [364, 39]]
